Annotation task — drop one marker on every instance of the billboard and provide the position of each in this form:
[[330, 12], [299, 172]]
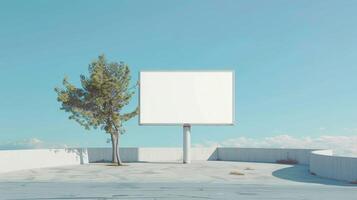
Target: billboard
[[186, 97]]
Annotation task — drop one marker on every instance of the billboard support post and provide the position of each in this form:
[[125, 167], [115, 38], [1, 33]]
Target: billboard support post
[[186, 143], [186, 98]]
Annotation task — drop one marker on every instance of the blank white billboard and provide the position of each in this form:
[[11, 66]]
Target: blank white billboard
[[186, 97]]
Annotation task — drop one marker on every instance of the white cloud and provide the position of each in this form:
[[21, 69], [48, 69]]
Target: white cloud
[[342, 145], [31, 143], [354, 130]]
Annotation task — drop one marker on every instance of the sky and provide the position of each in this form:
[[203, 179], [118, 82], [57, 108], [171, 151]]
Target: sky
[[295, 65]]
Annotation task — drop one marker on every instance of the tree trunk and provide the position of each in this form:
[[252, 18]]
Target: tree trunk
[[115, 149]]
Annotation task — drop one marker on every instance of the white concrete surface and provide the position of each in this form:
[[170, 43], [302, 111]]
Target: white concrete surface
[[324, 164], [12, 160], [173, 180], [197, 171]]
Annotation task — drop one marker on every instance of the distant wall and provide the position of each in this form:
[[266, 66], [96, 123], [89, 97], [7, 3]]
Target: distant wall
[[150, 154], [12, 160], [263, 154], [228, 154], [324, 164], [175, 154], [159, 154], [220, 153], [128, 154]]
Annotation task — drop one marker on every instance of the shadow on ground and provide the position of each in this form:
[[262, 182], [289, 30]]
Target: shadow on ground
[[300, 173]]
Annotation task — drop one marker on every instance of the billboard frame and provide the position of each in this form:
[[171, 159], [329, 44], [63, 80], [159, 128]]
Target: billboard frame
[[196, 124]]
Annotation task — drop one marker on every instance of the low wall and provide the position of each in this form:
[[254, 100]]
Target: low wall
[[129, 154], [321, 162], [150, 154], [263, 154], [175, 154], [221, 153], [324, 164], [12, 160]]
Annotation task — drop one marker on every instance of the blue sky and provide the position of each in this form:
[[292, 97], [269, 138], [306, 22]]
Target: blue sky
[[295, 64]]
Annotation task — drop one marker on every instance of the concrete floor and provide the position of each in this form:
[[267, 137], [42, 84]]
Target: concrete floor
[[199, 180]]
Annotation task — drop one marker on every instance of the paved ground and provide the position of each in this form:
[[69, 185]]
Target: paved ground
[[199, 180]]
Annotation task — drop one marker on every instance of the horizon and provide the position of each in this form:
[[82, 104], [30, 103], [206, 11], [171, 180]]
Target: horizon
[[294, 65]]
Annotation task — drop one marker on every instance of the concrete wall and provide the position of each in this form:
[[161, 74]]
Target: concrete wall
[[321, 162], [129, 154], [263, 154], [12, 160], [324, 164], [150, 154], [175, 154]]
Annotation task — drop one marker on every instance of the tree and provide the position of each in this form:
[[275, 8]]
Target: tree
[[100, 101]]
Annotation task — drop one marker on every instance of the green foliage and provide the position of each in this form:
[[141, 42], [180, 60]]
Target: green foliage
[[102, 97]]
